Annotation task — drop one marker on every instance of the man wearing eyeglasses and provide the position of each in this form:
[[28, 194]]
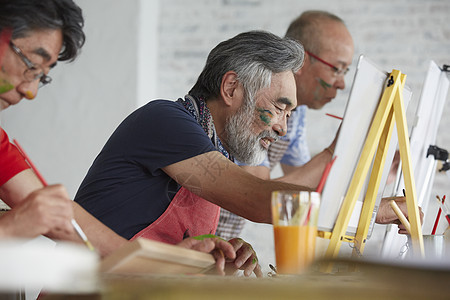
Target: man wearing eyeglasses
[[33, 36], [329, 51], [32, 74], [328, 54]]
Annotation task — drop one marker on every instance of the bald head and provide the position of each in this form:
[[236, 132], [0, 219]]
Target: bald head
[[314, 27], [323, 35]]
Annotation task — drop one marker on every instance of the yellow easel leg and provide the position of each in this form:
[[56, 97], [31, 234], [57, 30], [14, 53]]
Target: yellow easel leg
[[374, 184], [408, 176]]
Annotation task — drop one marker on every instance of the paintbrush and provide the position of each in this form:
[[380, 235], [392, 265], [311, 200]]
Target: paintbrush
[[334, 116], [400, 216], [437, 217], [44, 183], [444, 209]]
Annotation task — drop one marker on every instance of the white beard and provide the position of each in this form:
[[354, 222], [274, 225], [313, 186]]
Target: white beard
[[241, 142]]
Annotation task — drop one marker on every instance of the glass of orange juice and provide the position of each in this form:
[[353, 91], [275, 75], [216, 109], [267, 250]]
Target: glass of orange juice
[[294, 218]]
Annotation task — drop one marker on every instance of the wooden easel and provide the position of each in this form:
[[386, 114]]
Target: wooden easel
[[390, 109]]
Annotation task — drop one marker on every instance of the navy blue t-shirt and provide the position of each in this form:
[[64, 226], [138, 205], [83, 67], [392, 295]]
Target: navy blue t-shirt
[[125, 187]]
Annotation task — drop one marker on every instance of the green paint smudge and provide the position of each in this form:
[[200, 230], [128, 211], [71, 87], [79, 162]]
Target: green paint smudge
[[206, 236], [265, 115], [317, 93], [324, 84], [255, 260], [5, 86]]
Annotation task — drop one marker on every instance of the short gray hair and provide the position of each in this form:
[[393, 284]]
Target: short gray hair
[[254, 56]]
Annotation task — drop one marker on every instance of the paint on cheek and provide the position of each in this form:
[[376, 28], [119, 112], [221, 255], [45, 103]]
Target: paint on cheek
[[265, 115], [324, 84], [317, 93], [5, 86], [5, 37]]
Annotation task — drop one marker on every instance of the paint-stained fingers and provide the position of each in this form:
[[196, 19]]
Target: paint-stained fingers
[[252, 266], [246, 259], [244, 254]]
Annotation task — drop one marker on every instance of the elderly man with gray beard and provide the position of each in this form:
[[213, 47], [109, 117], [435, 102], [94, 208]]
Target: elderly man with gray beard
[[168, 168]]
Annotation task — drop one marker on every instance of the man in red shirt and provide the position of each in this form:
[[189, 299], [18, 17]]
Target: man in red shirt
[[29, 48]]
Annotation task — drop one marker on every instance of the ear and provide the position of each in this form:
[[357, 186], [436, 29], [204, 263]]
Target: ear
[[306, 64], [229, 87]]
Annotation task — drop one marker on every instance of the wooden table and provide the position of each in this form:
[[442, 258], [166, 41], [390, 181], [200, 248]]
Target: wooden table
[[371, 281]]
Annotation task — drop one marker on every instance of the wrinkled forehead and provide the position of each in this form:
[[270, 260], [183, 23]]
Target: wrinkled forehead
[[336, 43], [282, 90], [43, 44]]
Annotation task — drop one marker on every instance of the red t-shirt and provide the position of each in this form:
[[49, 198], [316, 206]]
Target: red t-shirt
[[11, 161]]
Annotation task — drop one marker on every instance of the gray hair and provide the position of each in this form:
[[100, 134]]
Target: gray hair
[[307, 30], [254, 56]]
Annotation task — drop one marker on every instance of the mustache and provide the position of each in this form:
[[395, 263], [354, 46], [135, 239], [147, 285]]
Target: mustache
[[268, 134]]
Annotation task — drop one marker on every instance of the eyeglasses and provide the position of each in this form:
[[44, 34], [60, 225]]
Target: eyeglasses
[[337, 71], [33, 72]]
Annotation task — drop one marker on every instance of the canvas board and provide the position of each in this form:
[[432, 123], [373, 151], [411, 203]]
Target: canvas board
[[368, 86]]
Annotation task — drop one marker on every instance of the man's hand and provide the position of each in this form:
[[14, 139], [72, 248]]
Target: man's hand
[[245, 259], [219, 248], [386, 214], [43, 211]]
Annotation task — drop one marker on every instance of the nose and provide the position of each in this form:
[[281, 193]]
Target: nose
[[340, 82], [28, 90], [280, 127]]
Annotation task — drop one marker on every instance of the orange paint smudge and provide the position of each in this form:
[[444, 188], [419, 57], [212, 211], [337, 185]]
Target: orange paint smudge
[[29, 95]]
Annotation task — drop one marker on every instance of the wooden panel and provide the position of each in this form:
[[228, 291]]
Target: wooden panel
[[143, 256]]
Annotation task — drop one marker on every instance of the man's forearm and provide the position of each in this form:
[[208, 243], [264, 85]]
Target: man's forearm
[[104, 240], [310, 173], [16, 189]]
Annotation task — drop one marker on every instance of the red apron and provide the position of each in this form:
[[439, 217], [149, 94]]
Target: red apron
[[187, 215]]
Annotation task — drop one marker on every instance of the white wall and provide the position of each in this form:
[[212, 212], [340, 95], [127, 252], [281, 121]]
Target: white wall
[[64, 128], [138, 50]]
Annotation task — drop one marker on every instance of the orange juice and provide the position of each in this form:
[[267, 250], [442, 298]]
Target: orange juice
[[294, 247]]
